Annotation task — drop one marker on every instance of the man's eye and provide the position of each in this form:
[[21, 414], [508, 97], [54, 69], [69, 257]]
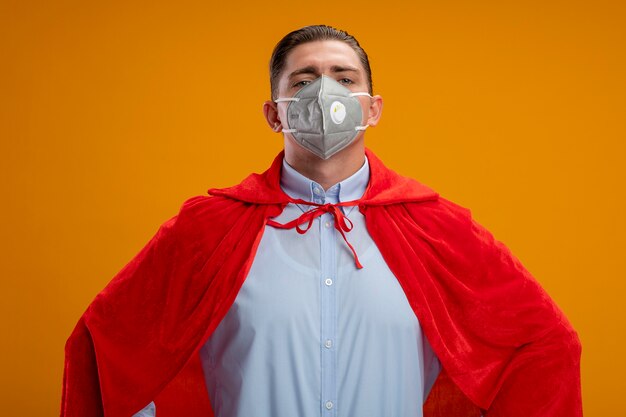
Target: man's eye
[[301, 83], [346, 81]]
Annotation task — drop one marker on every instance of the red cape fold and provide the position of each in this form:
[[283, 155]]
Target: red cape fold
[[505, 347]]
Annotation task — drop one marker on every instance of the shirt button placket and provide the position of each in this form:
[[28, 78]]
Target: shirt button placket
[[328, 268]]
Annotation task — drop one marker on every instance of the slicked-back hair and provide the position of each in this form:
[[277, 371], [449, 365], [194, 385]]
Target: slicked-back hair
[[312, 34]]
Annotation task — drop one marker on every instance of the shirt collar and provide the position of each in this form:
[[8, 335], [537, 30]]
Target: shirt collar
[[296, 185]]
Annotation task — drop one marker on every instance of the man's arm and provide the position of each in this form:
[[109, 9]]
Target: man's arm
[[542, 377], [499, 336]]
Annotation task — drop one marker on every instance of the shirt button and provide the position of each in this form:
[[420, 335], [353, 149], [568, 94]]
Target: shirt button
[[328, 343], [329, 405], [327, 225], [328, 282]]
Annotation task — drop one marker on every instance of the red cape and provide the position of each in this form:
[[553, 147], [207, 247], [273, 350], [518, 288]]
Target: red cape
[[504, 345]]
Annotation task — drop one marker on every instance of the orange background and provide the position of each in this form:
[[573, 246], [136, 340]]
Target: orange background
[[112, 114]]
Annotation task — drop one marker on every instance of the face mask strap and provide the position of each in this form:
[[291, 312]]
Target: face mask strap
[[357, 128], [282, 100], [360, 94], [286, 99]]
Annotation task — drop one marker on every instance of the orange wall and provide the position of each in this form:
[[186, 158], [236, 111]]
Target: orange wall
[[112, 114]]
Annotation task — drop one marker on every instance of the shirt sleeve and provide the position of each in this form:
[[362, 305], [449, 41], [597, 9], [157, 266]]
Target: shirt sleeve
[[148, 411], [432, 368]]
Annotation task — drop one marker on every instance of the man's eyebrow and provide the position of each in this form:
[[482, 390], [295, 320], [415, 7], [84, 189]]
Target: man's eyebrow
[[306, 70], [312, 70], [341, 68]]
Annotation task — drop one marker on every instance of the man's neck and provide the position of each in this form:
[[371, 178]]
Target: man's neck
[[327, 172]]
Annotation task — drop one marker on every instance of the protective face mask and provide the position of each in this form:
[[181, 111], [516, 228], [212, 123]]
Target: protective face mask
[[324, 116]]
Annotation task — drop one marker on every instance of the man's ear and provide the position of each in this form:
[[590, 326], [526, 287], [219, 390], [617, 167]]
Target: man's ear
[[270, 111], [375, 110]]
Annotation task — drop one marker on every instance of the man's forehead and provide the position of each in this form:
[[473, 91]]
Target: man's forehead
[[322, 55]]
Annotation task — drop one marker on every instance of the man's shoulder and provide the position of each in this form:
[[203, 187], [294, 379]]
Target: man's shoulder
[[441, 206], [198, 207], [203, 215], [439, 209]]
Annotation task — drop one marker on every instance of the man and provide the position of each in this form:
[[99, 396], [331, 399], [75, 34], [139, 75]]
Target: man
[[385, 288]]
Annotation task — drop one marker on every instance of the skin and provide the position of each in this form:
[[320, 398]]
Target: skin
[[303, 64]]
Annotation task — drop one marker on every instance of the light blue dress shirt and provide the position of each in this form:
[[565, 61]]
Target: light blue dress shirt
[[309, 334]]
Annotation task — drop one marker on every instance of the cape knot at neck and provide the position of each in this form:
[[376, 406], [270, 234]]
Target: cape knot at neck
[[342, 223]]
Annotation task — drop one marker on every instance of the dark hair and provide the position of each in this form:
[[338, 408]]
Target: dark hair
[[312, 34]]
